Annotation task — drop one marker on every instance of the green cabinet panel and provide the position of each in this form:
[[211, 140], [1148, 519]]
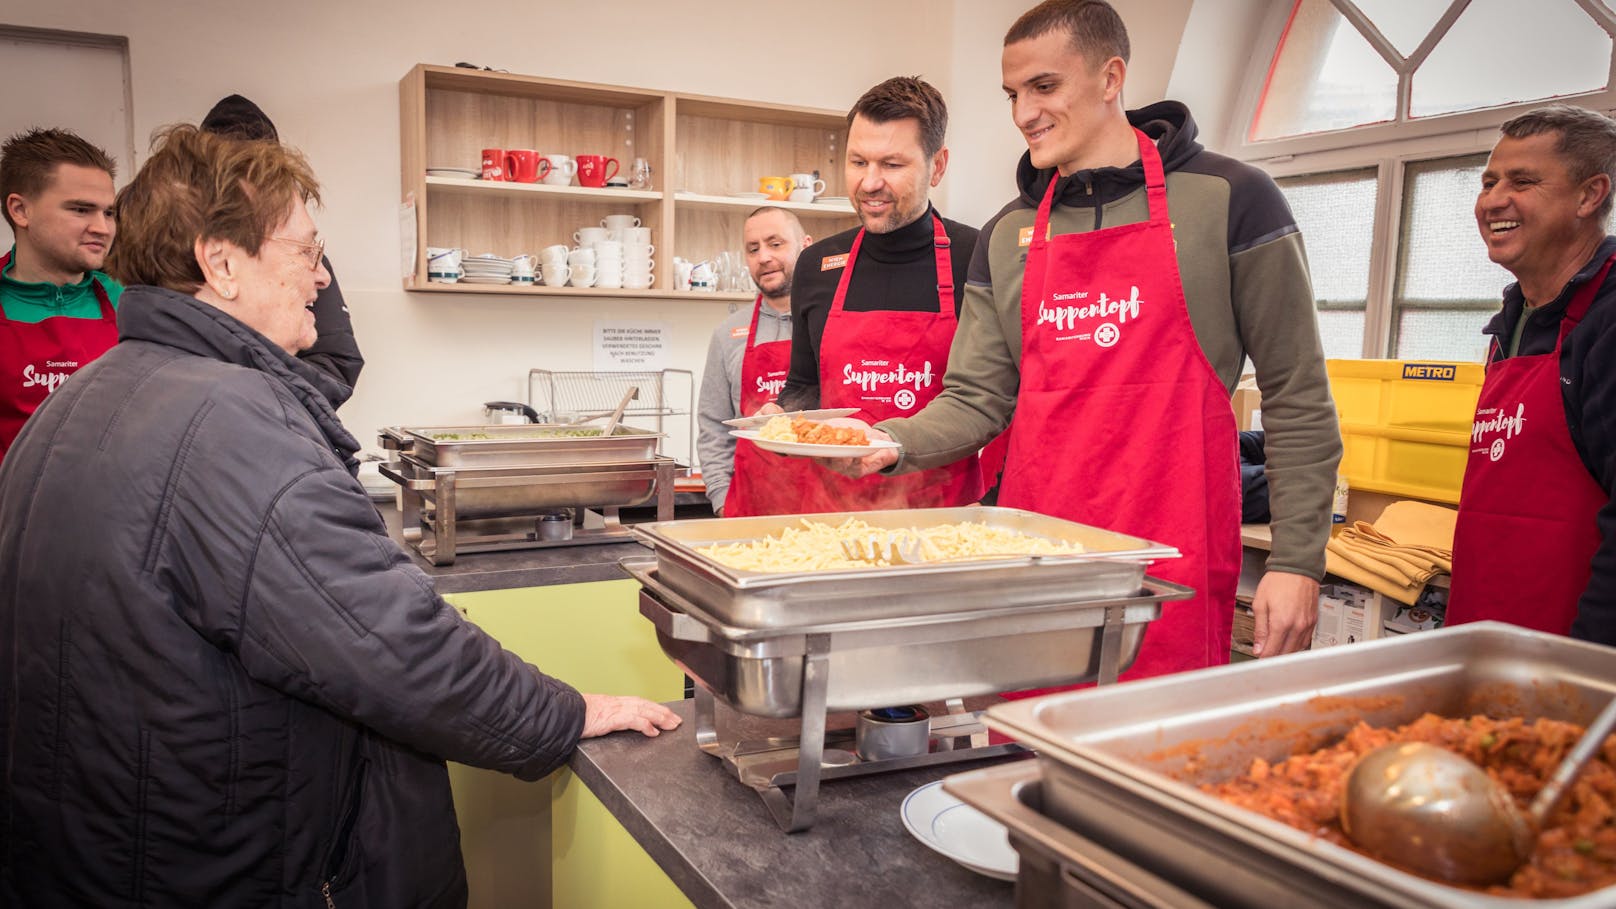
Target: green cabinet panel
[[592, 637]]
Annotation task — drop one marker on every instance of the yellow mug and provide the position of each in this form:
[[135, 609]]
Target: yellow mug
[[777, 188]]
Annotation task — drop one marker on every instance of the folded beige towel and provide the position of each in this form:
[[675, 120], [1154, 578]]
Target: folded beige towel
[[1399, 553]]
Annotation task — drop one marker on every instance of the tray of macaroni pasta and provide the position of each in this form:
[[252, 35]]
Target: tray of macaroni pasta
[[783, 571]]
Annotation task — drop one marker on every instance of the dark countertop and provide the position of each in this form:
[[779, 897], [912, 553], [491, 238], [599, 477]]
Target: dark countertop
[[715, 839], [519, 567]]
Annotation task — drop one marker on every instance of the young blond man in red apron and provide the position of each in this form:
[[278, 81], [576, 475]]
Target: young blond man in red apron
[[39, 356]]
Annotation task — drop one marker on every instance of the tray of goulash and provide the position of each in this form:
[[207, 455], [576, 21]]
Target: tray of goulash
[[790, 570]]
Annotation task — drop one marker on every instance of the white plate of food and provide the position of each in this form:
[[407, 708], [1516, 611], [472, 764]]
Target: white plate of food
[[757, 421], [816, 450], [955, 829]]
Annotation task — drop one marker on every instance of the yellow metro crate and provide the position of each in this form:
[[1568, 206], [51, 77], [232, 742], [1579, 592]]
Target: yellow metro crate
[[1405, 425]]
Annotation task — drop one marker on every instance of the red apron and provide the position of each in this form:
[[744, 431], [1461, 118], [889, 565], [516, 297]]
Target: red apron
[[1122, 423], [1524, 543], [890, 364], [764, 482], [40, 356]]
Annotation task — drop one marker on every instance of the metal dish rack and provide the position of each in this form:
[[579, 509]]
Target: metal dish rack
[[664, 394]]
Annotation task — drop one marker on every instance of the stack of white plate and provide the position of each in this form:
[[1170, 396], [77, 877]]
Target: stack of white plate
[[487, 269], [453, 173]]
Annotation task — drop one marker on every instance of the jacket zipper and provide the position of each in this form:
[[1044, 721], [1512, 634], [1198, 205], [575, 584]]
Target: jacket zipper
[[325, 891]]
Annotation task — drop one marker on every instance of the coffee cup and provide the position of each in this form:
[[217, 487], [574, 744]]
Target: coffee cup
[[584, 256], [593, 170], [608, 278], [630, 250], [524, 265], [611, 248], [494, 164], [555, 275], [443, 264], [619, 222], [811, 183], [640, 236], [562, 170], [583, 276], [524, 165], [681, 273], [589, 236], [776, 188], [558, 251]]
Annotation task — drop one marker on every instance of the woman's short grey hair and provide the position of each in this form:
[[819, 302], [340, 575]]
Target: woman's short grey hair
[[1587, 141]]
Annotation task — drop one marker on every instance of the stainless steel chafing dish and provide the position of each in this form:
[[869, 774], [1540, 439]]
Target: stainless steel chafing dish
[[482, 488], [1111, 760], [781, 644]]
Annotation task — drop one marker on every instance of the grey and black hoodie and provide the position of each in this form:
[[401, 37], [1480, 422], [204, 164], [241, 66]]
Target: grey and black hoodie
[[1246, 284]]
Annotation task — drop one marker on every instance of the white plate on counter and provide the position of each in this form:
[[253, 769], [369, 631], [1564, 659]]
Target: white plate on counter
[[806, 450], [955, 829], [757, 421]]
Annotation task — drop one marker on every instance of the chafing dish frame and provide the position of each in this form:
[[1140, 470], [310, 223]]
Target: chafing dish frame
[[1116, 767], [443, 534], [1112, 565], [513, 445], [805, 657]]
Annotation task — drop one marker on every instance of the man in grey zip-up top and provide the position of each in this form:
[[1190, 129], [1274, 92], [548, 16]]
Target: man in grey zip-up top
[[1245, 287], [773, 238]]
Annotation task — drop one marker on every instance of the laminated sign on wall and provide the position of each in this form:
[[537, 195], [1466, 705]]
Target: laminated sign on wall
[[631, 346]]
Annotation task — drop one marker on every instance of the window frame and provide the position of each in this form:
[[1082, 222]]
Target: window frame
[[1387, 147]]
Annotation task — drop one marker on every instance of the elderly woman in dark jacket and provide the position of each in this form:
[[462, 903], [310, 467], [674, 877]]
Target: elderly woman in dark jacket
[[224, 684]]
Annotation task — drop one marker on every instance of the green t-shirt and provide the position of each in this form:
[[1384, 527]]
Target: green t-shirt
[[29, 302]]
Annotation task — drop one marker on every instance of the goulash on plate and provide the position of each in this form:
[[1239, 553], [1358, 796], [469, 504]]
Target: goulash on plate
[[809, 432], [816, 546]]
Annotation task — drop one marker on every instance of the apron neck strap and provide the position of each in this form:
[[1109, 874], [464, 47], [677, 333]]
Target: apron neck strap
[[751, 333], [1581, 300], [1155, 189], [940, 254]]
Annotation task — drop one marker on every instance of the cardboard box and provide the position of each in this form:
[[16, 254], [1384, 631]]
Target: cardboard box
[[1245, 627], [1347, 613], [1247, 401], [1427, 613]]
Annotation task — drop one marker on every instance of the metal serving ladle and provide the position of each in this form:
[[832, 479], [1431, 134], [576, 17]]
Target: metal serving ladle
[[1424, 807]]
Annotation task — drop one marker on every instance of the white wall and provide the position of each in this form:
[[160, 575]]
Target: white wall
[[327, 74]]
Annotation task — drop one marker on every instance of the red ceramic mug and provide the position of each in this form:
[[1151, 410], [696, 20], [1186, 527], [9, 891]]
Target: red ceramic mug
[[593, 171], [524, 165], [494, 164]]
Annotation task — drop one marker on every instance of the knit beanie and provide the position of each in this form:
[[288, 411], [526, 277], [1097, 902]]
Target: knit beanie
[[239, 118]]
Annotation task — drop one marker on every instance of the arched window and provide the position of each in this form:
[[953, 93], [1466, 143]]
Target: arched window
[[1375, 117]]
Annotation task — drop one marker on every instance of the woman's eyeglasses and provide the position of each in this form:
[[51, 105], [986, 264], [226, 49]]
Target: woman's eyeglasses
[[311, 252]]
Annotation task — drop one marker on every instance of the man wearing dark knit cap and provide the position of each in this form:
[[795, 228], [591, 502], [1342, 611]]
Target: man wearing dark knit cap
[[335, 350]]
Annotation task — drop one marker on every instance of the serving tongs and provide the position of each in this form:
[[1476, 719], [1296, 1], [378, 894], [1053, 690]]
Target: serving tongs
[[888, 549]]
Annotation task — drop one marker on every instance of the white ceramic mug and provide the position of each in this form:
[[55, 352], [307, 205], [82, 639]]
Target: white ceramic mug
[[562, 169], [603, 279], [619, 222], [558, 251], [608, 248], [583, 276], [809, 182], [643, 250], [637, 236], [681, 273], [639, 282], [801, 195], [555, 275], [589, 236], [443, 264], [582, 256]]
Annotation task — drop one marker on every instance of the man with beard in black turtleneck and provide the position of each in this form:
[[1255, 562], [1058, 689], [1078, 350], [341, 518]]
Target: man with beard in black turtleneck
[[874, 308]]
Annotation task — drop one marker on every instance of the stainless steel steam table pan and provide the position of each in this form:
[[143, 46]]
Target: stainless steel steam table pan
[[1112, 565], [487, 492], [510, 445], [1118, 761], [879, 661]]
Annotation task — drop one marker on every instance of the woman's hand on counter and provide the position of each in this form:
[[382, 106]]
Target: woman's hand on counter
[[606, 713]]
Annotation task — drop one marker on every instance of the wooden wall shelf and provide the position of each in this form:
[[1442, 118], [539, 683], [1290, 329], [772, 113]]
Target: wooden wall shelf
[[699, 147]]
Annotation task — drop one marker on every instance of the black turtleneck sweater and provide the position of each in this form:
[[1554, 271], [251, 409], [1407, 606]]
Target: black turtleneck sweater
[[895, 271]]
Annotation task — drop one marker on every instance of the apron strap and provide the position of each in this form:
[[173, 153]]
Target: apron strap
[[751, 333], [1584, 298], [1155, 190], [847, 273], [940, 252], [945, 268]]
